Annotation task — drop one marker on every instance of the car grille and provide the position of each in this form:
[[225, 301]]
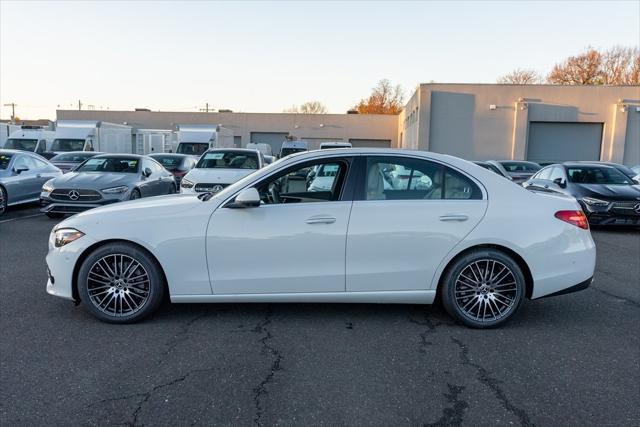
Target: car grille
[[202, 187], [82, 195], [625, 208]]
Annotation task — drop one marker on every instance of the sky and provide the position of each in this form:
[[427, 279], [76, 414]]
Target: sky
[[267, 56]]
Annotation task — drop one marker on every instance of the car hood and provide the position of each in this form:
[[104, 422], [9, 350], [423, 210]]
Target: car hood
[[160, 207], [217, 176], [611, 192], [94, 180]]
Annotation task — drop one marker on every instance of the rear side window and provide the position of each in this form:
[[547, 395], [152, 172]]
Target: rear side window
[[556, 173], [398, 178]]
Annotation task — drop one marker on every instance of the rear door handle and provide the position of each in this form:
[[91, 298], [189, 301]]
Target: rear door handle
[[321, 219], [454, 217]]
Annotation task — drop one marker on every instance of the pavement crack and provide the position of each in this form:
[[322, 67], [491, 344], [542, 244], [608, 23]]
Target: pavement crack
[[454, 415], [493, 384], [267, 348], [181, 335], [618, 297], [431, 328]]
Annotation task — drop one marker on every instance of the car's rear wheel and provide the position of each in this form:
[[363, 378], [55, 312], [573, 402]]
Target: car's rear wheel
[[135, 194], [120, 283], [483, 289], [172, 189], [55, 215], [3, 200]]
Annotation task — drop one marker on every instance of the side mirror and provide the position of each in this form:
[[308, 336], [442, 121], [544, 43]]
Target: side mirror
[[560, 182], [18, 171], [247, 198], [147, 172]]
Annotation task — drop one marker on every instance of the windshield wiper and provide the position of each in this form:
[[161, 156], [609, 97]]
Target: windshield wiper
[[205, 196]]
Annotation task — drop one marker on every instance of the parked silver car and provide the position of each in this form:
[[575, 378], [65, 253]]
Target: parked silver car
[[105, 179], [21, 177], [70, 160]]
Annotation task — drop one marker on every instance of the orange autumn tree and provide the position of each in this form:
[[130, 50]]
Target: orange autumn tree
[[384, 99]]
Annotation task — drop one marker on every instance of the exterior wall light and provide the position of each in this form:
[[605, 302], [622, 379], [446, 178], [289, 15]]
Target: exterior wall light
[[492, 107]]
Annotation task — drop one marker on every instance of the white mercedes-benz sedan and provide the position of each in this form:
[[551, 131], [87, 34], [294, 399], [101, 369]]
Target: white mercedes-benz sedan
[[449, 228]]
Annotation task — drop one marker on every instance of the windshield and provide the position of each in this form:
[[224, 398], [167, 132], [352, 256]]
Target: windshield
[[526, 167], [68, 145], [597, 175], [4, 161], [72, 157], [192, 148], [21, 144], [109, 164], [287, 151], [169, 162], [228, 160]]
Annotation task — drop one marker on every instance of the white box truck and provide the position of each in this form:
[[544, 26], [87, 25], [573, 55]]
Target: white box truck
[[90, 135], [30, 138], [196, 139], [152, 141]]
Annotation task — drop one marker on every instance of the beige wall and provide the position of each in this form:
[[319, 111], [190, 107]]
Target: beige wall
[[456, 118], [326, 126]]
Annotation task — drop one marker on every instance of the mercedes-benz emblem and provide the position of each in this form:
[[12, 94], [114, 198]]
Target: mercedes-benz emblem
[[636, 208], [74, 195], [216, 188]]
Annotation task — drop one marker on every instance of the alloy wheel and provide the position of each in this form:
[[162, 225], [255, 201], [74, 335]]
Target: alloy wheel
[[3, 202], [118, 285], [486, 290]]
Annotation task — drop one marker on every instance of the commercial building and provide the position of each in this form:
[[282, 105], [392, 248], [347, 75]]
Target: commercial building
[[472, 121]]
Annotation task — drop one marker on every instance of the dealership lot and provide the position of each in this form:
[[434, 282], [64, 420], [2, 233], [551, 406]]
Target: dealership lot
[[570, 360]]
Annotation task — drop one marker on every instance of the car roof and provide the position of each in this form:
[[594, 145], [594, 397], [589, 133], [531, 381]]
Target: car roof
[[28, 153], [245, 150], [585, 163], [120, 156]]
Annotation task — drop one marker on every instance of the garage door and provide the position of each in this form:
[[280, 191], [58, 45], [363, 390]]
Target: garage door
[[274, 139], [372, 143], [558, 142]]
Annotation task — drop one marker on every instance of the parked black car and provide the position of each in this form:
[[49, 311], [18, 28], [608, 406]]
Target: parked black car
[[177, 164], [607, 196]]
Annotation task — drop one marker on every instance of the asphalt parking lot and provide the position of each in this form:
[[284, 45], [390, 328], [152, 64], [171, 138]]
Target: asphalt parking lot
[[569, 360]]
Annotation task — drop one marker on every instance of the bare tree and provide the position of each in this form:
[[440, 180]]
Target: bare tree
[[521, 77], [384, 99], [620, 66], [311, 107], [582, 69]]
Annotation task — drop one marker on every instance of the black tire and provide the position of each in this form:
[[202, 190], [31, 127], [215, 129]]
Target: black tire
[[483, 289], [3, 200], [55, 215], [172, 189], [135, 194], [95, 281]]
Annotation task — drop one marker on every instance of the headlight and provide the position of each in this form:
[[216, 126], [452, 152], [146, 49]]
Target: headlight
[[66, 235], [47, 188], [594, 202], [186, 183], [116, 190]]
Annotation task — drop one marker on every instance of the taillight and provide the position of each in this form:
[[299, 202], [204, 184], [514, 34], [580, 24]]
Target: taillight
[[577, 218]]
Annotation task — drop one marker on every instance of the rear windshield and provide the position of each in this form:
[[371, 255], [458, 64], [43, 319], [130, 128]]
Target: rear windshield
[[169, 162], [73, 157], [109, 164], [597, 175], [21, 144], [520, 167], [4, 160], [68, 145], [192, 148], [229, 160]]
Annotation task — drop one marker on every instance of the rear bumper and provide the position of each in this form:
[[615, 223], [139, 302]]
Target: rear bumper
[[575, 288]]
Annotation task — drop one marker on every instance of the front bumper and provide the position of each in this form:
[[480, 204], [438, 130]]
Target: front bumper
[[616, 213], [61, 263], [49, 205]]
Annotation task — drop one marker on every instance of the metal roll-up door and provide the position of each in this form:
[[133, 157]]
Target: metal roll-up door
[[274, 139], [559, 142], [371, 143]]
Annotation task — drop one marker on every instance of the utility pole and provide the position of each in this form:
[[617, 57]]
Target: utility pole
[[79, 105], [13, 110], [206, 108]]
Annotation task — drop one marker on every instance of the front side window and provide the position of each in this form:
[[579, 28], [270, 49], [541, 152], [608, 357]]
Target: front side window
[[228, 160], [319, 181], [109, 164], [396, 178], [5, 159], [68, 145], [21, 144], [556, 173]]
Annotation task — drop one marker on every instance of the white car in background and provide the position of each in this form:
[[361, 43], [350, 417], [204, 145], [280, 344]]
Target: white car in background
[[479, 242], [334, 144], [220, 167]]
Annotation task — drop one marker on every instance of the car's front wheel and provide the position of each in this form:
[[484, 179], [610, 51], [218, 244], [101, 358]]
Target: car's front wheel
[[483, 289], [120, 283], [3, 200]]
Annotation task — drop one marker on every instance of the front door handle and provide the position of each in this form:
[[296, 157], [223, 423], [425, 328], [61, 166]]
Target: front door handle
[[454, 217], [321, 219]]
